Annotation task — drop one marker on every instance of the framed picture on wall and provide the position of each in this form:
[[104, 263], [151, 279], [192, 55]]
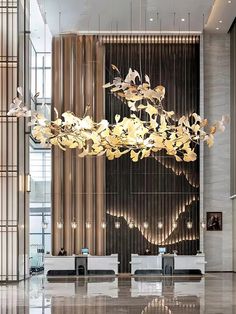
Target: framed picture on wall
[[214, 221]]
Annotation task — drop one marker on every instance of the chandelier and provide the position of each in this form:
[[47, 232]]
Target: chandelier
[[138, 137]]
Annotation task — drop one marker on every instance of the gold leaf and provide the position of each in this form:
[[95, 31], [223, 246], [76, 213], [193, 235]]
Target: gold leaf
[[177, 158], [107, 85], [209, 139], [190, 156], [117, 118], [151, 110], [212, 129], [115, 68], [134, 155]]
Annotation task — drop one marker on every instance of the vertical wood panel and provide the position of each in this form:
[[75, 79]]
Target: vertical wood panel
[[77, 184]]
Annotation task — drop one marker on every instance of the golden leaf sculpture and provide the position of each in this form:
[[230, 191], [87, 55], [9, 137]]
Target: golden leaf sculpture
[[131, 135]]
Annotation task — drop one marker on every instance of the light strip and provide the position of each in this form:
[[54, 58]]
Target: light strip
[[151, 39]]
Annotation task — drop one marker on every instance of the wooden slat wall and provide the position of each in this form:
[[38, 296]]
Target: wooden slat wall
[[77, 183]]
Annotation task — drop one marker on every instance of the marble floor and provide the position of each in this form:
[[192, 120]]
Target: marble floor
[[215, 293]]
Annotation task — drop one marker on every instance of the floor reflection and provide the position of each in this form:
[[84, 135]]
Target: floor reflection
[[211, 294], [125, 295]]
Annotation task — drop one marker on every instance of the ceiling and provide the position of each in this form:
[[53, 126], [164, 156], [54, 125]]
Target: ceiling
[[126, 16], [222, 16], [134, 16]]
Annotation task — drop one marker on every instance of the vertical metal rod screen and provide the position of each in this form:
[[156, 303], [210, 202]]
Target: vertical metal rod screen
[[156, 189], [13, 199]]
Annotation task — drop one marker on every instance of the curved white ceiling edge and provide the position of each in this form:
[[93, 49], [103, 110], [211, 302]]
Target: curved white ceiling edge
[[221, 17]]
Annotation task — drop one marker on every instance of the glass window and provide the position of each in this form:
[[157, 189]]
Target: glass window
[[47, 244], [40, 60], [36, 240], [39, 85], [36, 224], [48, 83], [40, 160]]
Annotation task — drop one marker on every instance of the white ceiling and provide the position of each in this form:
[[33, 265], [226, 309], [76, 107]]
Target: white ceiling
[[115, 15], [137, 16], [38, 29], [222, 16]]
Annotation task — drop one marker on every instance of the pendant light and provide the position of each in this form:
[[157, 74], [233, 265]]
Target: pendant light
[[131, 224], [59, 224], [160, 225], [189, 224], [73, 224], [145, 225], [117, 224], [103, 225], [88, 225], [174, 224]]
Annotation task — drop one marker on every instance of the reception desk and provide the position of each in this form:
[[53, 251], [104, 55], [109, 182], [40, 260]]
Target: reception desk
[[167, 264], [80, 265], [190, 262], [145, 263]]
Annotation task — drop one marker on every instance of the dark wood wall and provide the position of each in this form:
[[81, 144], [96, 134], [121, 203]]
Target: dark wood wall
[[156, 189]]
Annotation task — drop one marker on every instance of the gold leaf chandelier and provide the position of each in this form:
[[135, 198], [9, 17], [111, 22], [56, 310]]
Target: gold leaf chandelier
[[129, 135]]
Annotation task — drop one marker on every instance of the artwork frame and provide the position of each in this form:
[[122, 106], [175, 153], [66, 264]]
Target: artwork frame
[[214, 221]]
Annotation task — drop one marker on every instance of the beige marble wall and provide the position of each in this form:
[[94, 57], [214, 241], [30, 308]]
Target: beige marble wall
[[234, 234], [216, 169]]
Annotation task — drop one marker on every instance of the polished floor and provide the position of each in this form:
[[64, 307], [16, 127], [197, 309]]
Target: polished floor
[[215, 293]]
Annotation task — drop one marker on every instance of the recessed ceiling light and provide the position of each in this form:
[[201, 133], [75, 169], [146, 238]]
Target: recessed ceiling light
[[220, 21], [217, 28], [151, 19], [229, 1], [182, 20]]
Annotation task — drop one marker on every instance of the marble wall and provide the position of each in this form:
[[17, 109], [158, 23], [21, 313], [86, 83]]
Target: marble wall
[[218, 245]]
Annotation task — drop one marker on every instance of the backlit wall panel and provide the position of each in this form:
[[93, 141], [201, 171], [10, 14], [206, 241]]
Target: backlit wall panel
[[156, 189]]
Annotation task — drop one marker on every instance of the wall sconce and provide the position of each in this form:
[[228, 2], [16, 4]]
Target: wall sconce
[[203, 224], [189, 224], [145, 225], [117, 225], [103, 224], [131, 224], [88, 225], [160, 225], [28, 183], [59, 225]]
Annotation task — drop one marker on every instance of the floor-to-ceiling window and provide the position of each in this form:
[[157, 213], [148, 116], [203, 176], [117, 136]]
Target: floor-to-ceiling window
[[40, 205], [40, 157]]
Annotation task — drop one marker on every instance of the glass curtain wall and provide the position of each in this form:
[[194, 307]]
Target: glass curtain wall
[[40, 163]]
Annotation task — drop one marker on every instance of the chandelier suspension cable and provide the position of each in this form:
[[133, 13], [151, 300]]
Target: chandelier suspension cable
[[44, 59], [174, 20], [140, 41], [145, 190], [160, 51], [59, 222], [175, 110], [99, 25]]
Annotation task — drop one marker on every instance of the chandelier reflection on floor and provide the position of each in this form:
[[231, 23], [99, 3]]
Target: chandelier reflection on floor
[[140, 138]]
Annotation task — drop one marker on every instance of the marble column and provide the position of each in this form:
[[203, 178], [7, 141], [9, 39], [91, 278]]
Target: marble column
[[216, 195]]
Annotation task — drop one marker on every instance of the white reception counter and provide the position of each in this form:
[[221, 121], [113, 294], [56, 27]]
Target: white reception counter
[[145, 262], [99, 264], [154, 263]]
